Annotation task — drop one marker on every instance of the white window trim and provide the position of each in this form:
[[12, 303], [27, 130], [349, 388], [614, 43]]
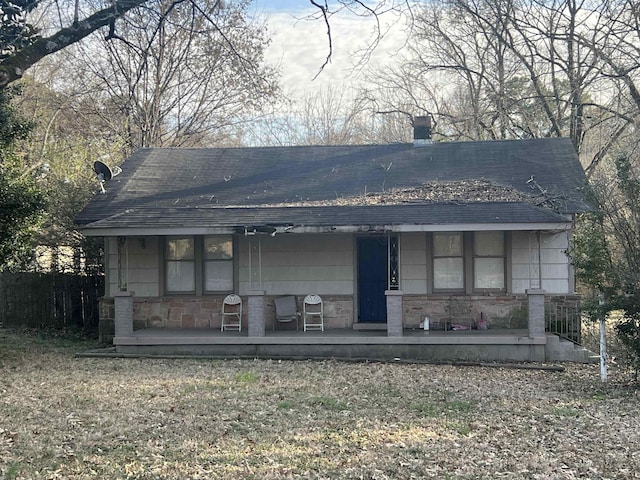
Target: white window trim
[[199, 260]]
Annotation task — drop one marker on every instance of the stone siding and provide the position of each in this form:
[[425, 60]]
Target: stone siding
[[181, 312], [499, 311], [204, 312], [338, 312]]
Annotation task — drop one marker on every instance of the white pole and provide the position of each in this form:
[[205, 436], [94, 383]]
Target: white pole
[[603, 341]]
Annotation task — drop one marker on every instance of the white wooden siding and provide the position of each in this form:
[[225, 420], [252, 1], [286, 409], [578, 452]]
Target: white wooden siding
[[324, 264], [111, 265], [140, 265], [297, 264], [413, 263], [543, 266]]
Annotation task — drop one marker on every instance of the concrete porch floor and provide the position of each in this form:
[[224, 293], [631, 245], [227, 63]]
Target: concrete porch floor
[[472, 345], [334, 336]]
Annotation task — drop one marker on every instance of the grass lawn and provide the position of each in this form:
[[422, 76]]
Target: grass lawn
[[63, 417]]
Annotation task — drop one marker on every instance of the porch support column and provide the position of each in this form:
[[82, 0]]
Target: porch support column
[[394, 313], [535, 297], [123, 305], [256, 313]]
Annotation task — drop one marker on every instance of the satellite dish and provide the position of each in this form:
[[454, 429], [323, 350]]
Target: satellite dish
[[105, 173], [102, 169]]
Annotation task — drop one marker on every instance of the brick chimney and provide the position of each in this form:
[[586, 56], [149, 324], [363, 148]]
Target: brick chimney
[[421, 131]]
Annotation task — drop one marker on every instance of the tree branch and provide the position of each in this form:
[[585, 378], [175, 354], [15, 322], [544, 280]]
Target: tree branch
[[325, 15], [13, 67]]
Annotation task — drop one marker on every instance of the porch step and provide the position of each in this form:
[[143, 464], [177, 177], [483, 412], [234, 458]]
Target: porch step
[[370, 326], [559, 349]]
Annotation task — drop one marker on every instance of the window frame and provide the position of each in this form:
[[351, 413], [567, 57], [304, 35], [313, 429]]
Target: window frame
[[167, 261], [435, 257], [468, 239], [227, 261], [199, 262], [503, 257]]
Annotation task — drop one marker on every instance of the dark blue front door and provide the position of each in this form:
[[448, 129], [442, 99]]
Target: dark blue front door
[[372, 279]]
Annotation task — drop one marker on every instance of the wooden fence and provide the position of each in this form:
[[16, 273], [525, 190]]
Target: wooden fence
[[50, 300]]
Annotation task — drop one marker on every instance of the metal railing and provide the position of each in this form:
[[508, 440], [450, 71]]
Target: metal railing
[[563, 320]]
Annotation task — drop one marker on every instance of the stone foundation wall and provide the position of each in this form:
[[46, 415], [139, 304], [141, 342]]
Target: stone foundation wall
[[560, 301], [205, 312], [181, 312], [499, 311], [338, 312]]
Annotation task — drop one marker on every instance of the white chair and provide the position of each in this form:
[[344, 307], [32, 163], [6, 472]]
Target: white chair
[[231, 313], [313, 313]]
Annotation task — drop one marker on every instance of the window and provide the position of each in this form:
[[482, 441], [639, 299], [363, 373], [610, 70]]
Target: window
[[180, 257], [199, 264], [448, 261], [488, 260], [218, 264]]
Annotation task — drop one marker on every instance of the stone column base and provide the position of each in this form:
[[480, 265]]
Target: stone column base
[[394, 313], [256, 314], [535, 297], [123, 313]]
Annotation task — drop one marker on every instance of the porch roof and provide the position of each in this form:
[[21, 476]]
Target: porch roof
[[237, 187], [314, 219]]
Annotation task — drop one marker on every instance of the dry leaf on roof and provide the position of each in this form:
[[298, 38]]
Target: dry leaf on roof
[[465, 191]]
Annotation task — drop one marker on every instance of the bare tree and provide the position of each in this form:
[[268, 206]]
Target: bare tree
[[26, 49], [67, 137], [331, 116], [506, 69], [615, 42], [13, 65], [180, 74], [458, 70]]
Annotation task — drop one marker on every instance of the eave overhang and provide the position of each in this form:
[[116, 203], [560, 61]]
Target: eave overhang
[[251, 230], [265, 220]]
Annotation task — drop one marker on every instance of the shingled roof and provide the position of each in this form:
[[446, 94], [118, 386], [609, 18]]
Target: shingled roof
[[537, 180]]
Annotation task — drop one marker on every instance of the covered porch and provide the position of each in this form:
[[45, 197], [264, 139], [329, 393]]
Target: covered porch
[[396, 341]]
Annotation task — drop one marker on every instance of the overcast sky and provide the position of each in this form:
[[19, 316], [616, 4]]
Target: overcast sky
[[300, 45]]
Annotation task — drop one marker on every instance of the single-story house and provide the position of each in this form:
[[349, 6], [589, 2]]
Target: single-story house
[[467, 239]]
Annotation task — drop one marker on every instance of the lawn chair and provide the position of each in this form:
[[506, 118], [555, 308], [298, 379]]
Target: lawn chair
[[313, 313], [231, 313], [286, 310]]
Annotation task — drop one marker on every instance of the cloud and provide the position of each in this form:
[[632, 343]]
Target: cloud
[[300, 47]]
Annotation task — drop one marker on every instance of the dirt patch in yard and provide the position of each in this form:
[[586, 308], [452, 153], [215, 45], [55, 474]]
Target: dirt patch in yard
[[72, 418]]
